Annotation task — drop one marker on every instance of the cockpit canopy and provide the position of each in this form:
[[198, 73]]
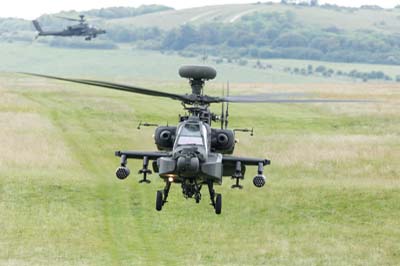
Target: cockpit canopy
[[192, 133]]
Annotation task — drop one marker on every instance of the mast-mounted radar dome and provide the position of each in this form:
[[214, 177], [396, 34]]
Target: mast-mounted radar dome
[[197, 72]]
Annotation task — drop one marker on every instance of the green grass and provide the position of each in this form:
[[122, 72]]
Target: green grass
[[332, 196], [124, 64]]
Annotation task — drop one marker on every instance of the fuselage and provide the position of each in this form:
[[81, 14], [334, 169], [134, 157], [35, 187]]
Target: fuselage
[[74, 30], [191, 154]]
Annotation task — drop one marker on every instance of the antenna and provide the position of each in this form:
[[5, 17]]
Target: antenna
[[251, 131], [222, 119], [204, 57], [227, 107], [145, 124]]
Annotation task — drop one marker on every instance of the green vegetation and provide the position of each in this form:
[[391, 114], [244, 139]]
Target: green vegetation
[[284, 35], [329, 72], [332, 195]]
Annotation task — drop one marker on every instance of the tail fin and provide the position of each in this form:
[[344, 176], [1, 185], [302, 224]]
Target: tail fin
[[37, 26]]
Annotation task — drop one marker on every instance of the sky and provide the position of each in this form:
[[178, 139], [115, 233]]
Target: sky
[[30, 9]]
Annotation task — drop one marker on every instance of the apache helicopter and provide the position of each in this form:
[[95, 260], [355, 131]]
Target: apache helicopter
[[193, 153], [81, 29]]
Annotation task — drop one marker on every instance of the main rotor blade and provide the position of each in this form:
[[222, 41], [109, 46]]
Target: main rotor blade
[[261, 98], [70, 19], [115, 86], [249, 99], [272, 95]]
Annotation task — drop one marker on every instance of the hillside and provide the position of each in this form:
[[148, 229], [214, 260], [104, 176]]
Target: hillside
[[166, 18], [326, 16], [258, 31]]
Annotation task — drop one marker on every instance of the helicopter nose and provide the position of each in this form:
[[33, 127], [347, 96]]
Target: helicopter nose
[[188, 165]]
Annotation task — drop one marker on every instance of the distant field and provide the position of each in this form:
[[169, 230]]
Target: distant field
[[332, 196], [126, 64]]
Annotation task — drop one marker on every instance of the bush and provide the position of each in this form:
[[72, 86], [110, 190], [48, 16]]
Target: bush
[[82, 44], [242, 62]]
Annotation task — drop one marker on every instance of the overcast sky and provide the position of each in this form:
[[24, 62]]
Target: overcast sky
[[30, 9]]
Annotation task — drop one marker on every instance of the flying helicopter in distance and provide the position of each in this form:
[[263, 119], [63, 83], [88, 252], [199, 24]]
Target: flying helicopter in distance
[[80, 29], [193, 153]]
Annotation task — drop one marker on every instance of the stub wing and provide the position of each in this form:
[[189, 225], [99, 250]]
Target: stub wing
[[245, 160], [141, 154], [123, 171], [236, 167]]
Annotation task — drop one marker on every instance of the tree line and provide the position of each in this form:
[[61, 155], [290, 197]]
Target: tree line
[[281, 35], [267, 35]]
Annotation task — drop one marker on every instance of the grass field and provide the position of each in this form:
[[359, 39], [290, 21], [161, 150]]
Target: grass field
[[140, 66], [332, 196], [125, 63]]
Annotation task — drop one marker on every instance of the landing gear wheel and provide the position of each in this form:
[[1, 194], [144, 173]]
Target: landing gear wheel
[[197, 197], [159, 200], [218, 204]]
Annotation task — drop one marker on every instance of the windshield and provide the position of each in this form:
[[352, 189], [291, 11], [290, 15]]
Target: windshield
[[190, 135]]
